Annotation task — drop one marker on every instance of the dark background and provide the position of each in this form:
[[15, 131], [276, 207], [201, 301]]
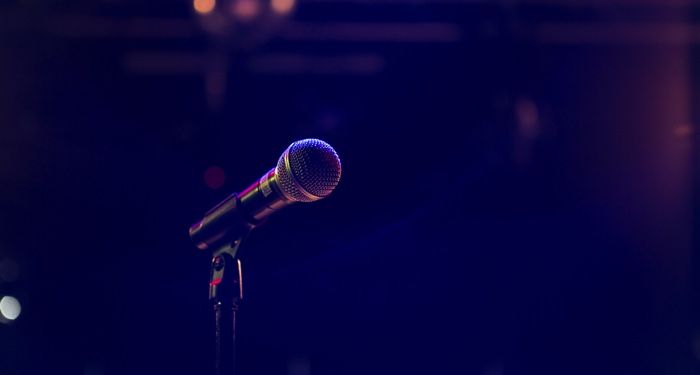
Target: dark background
[[517, 193]]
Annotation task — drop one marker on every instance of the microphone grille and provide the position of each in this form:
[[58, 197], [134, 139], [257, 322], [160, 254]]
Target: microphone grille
[[308, 170]]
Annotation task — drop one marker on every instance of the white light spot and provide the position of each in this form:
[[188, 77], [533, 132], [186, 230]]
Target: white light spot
[[10, 308]]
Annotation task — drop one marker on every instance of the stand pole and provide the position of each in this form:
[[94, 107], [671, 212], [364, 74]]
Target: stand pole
[[225, 294]]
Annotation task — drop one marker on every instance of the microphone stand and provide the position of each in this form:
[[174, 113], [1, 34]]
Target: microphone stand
[[225, 294]]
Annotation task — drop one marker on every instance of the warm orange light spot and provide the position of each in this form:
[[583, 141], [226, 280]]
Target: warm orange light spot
[[204, 6], [283, 6]]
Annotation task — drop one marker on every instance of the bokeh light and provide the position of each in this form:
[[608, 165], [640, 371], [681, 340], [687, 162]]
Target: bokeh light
[[683, 130], [528, 118], [283, 6], [204, 6], [245, 9], [214, 177], [9, 308]]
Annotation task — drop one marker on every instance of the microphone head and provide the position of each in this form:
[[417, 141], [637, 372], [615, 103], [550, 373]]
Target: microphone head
[[308, 170]]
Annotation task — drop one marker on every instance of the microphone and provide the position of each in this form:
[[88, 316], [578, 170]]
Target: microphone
[[307, 171]]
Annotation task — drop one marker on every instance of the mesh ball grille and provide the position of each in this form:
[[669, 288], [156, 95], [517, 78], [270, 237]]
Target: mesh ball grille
[[314, 168]]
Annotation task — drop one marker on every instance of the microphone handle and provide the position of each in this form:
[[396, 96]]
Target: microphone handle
[[239, 213]]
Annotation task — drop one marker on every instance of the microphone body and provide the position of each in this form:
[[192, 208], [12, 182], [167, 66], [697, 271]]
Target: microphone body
[[307, 171]]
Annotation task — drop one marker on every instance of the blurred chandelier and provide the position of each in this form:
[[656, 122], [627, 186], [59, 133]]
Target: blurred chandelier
[[242, 23]]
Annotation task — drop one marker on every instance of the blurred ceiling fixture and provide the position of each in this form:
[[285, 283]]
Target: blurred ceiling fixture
[[242, 23], [236, 28], [235, 25]]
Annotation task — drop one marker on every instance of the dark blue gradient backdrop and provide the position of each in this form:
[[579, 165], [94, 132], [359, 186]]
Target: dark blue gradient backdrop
[[517, 193]]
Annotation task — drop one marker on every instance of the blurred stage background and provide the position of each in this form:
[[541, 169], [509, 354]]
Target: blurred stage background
[[518, 193]]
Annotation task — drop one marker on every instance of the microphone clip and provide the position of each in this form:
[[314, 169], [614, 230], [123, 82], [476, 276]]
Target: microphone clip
[[226, 278]]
